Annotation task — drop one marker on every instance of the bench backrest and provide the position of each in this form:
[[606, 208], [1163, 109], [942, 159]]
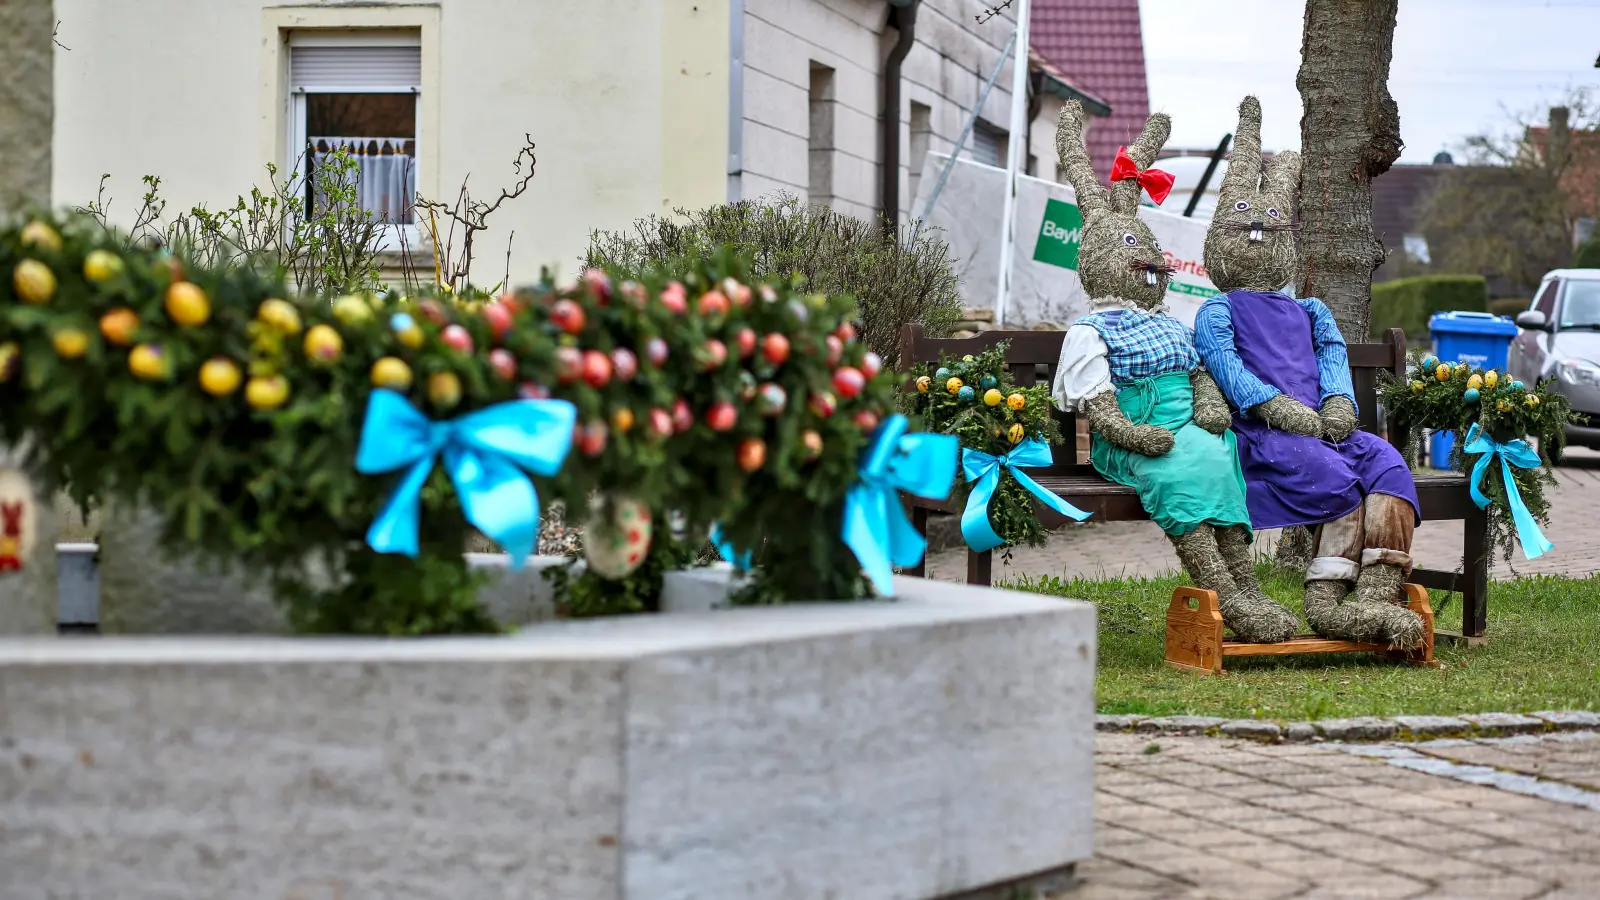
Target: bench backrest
[[1032, 358]]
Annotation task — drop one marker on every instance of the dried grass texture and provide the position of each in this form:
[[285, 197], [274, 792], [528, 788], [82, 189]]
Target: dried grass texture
[[1250, 245]]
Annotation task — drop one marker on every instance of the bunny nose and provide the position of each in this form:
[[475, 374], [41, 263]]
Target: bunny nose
[[1258, 231]]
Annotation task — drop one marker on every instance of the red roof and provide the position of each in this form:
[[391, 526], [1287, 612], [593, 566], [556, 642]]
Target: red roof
[[1099, 44]]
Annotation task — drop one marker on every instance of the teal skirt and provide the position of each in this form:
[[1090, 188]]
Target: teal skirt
[[1197, 482]]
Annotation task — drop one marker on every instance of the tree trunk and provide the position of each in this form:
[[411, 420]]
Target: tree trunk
[[1349, 134], [27, 103]]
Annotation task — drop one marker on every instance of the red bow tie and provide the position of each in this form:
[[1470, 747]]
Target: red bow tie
[[1157, 184]]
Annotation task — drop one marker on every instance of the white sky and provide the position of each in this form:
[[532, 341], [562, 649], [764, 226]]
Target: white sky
[[1460, 67]]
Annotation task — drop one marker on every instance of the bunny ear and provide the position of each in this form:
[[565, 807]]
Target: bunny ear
[[1283, 174], [1075, 160], [1244, 166], [1143, 152]]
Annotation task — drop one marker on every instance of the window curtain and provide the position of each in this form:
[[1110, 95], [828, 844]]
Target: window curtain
[[386, 182]]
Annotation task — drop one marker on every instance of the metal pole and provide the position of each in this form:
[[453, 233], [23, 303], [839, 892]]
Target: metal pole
[[1205, 178], [1019, 128], [966, 132]]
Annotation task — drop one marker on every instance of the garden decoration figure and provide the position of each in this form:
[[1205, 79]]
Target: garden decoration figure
[[1283, 366], [1160, 424]]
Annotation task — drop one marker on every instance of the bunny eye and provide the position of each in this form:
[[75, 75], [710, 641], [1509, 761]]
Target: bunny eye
[[1130, 240], [1272, 212], [1242, 205]]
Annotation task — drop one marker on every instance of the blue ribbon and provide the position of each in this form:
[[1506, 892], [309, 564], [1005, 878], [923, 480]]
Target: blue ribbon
[[875, 526], [485, 453], [982, 471], [725, 549], [1511, 453]]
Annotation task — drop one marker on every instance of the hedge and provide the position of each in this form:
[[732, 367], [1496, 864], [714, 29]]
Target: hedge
[[1408, 303]]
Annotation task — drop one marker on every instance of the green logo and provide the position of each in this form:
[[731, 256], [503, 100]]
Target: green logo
[[1059, 235]]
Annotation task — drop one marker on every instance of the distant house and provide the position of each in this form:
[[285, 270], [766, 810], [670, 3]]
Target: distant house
[[1397, 198], [1098, 44]]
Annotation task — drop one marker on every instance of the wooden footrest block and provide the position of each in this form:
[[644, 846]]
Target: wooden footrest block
[[1195, 642]]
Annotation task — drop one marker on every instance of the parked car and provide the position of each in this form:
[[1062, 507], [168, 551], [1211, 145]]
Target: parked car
[[1560, 339]]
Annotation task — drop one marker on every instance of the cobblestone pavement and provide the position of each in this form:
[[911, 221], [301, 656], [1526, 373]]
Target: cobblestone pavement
[[1139, 549], [1237, 820]]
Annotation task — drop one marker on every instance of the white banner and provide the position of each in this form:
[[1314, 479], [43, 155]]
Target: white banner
[[1044, 283]]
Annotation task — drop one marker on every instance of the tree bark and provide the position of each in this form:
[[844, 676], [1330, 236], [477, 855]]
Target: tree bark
[[1349, 134], [27, 103]]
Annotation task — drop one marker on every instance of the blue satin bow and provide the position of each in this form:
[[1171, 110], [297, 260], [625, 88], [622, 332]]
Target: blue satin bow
[[1511, 453], [983, 473], [875, 526], [725, 549], [484, 452]]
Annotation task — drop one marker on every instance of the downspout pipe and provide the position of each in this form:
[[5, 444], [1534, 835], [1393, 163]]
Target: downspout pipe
[[902, 16]]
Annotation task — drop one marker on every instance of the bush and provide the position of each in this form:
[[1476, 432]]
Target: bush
[[1408, 303], [894, 281], [1587, 256], [1509, 306]]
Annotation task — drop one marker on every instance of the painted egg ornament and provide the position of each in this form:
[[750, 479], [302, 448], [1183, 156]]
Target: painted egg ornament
[[622, 419], [923, 383], [747, 387], [596, 368], [220, 376], [822, 404], [569, 364], [41, 235], [992, 397], [1502, 406], [848, 382], [101, 266], [656, 351], [119, 326], [768, 295], [34, 282], [722, 416], [989, 381], [457, 338], [1417, 387], [148, 362], [391, 372], [942, 374], [660, 423], [846, 332], [712, 354], [590, 438], [774, 399], [498, 317], [282, 317], [269, 392], [598, 283], [675, 297], [529, 390], [1517, 386], [617, 540], [835, 348], [1470, 395], [1530, 401], [624, 363], [70, 343], [1474, 381], [1490, 379], [712, 304], [775, 347], [752, 454], [10, 360], [567, 316], [745, 340], [867, 420], [1443, 372], [1429, 363], [871, 364], [811, 444], [323, 345], [799, 311], [966, 392], [953, 385], [634, 293], [435, 312], [682, 415], [1016, 402], [504, 363], [350, 309], [444, 389], [1015, 433], [737, 292]]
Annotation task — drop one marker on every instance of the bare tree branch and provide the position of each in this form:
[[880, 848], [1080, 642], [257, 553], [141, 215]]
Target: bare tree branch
[[471, 217]]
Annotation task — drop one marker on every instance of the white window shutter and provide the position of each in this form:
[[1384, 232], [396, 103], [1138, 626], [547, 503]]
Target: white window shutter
[[387, 68], [986, 145]]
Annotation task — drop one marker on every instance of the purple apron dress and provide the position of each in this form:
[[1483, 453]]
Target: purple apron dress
[[1292, 479]]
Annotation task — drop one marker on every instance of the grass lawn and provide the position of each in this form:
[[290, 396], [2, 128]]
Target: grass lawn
[[1543, 653]]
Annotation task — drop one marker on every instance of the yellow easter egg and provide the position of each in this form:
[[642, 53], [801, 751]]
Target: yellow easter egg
[[1530, 401], [101, 265], [38, 234], [392, 373], [1015, 433], [280, 315], [1417, 387], [34, 281], [1016, 401], [1503, 406], [923, 383], [953, 385], [70, 343], [1474, 382], [220, 376], [323, 344], [351, 309], [1490, 379], [1443, 372], [444, 389], [187, 304], [269, 392], [148, 362], [410, 338], [992, 397]]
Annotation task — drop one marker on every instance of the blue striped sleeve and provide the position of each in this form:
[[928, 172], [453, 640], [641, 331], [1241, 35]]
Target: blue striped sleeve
[[1213, 337], [1333, 359]]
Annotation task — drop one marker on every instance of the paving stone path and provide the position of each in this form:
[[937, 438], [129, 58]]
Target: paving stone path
[[1194, 817], [1139, 550]]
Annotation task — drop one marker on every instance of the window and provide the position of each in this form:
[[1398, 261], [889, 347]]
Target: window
[[921, 133], [358, 92], [820, 140], [988, 145], [1546, 301], [1580, 304]]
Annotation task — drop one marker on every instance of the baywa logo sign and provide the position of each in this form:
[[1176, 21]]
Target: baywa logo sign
[[1059, 235]]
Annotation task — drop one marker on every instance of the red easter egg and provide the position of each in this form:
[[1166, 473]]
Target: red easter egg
[[738, 293], [596, 368], [712, 304], [745, 340], [682, 416], [768, 295], [846, 332], [660, 422], [871, 364], [457, 338], [655, 350], [775, 348], [867, 419], [752, 454], [675, 297], [625, 363], [848, 381], [599, 283], [822, 404], [567, 316], [634, 293], [503, 363], [722, 416], [835, 348], [569, 364], [591, 438], [713, 353], [812, 442], [434, 311], [498, 315]]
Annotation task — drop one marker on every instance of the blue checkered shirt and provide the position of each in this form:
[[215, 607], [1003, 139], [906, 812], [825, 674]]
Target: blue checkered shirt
[[1143, 345]]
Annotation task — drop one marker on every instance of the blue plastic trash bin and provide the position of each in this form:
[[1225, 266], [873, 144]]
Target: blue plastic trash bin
[[1478, 339]]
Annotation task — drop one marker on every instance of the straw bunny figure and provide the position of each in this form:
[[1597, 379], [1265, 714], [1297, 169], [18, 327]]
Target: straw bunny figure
[[1160, 424], [1283, 366]]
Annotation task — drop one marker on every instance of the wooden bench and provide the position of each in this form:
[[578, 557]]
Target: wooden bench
[[1032, 357]]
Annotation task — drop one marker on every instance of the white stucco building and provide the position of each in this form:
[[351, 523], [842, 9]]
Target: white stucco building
[[636, 106]]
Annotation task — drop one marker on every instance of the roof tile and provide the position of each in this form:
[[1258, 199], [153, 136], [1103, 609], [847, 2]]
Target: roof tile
[[1099, 45]]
